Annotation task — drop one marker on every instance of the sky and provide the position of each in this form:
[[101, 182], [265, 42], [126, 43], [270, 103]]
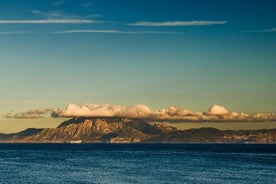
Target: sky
[[186, 53]]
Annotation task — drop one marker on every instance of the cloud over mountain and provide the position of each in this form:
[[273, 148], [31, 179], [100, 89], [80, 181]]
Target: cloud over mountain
[[103, 110], [214, 113]]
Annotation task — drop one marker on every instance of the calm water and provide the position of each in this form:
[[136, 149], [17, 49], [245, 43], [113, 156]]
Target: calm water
[[137, 163]]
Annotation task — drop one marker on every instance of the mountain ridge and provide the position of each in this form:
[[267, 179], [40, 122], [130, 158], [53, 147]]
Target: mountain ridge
[[125, 130]]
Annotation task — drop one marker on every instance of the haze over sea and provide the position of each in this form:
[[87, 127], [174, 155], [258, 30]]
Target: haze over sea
[[137, 163]]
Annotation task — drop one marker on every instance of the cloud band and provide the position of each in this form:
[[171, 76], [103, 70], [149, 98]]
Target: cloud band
[[49, 21], [214, 113], [177, 23]]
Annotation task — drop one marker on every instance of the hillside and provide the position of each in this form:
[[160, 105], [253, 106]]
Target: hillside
[[123, 130]]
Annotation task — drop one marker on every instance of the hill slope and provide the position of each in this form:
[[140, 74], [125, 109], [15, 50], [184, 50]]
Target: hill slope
[[123, 130]]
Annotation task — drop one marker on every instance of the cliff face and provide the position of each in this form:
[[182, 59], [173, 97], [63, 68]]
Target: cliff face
[[122, 130], [113, 130]]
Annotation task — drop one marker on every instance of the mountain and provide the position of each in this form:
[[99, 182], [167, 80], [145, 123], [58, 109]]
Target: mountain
[[124, 130]]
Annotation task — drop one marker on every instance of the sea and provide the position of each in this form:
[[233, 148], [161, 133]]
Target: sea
[[138, 163]]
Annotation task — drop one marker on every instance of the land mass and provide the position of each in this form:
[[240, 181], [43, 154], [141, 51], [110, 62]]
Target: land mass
[[125, 130]]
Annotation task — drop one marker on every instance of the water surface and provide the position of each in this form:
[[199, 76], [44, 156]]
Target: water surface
[[137, 163]]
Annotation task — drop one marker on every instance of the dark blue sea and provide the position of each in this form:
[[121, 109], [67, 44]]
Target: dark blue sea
[[138, 163]]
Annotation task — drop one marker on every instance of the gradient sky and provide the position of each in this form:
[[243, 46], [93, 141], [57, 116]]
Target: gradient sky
[[104, 54]]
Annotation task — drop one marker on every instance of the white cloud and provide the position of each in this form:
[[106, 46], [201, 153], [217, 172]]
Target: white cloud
[[217, 110], [139, 111], [178, 23], [264, 116], [214, 113], [49, 21], [103, 110], [107, 110], [136, 111]]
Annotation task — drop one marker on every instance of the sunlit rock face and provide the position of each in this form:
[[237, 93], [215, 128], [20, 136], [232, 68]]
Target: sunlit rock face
[[125, 130], [112, 130]]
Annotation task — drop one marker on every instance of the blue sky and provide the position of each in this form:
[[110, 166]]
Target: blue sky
[[156, 52]]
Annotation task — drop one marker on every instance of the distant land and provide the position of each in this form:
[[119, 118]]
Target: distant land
[[127, 130]]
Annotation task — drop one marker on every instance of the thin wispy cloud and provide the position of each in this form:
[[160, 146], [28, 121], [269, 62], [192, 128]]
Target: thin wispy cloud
[[90, 31], [93, 16], [15, 32], [49, 14], [87, 5], [271, 30], [112, 31], [57, 3], [49, 21], [177, 23], [30, 114], [87, 31]]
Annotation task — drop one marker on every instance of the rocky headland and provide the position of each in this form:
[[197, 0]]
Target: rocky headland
[[125, 130]]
